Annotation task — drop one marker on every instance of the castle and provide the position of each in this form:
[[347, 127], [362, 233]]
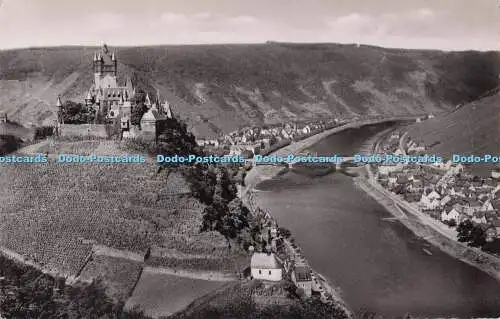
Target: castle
[[105, 95], [114, 102]]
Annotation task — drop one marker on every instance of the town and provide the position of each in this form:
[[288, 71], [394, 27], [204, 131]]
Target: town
[[468, 206]]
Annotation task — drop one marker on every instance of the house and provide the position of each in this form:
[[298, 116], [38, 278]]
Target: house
[[434, 195], [386, 169], [273, 231], [301, 277], [449, 214], [487, 206], [495, 174], [445, 200], [472, 207], [496, 224], [479, 218], [266, 267], [491, 233], [152, 121], [398, 152], [392, 180], [456, 169]]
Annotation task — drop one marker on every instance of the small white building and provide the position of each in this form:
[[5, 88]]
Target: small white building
[[266, 267], [450, 214], [495, 174], [386, 169]]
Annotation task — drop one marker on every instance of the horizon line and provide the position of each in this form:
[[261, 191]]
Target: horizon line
[[268, 42]]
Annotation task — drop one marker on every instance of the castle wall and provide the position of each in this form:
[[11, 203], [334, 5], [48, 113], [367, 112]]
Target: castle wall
[[89, 130]]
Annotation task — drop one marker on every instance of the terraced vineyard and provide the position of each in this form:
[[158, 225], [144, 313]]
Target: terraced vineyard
[[53, 214]]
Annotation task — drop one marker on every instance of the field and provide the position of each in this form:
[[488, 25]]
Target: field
[[118, 275], [53, 214], [163, 295]]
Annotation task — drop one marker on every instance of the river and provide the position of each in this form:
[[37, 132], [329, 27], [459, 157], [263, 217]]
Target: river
[[379, 265]]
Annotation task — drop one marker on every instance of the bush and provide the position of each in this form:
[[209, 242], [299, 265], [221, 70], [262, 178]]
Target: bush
[[43, 132], [76, 113]]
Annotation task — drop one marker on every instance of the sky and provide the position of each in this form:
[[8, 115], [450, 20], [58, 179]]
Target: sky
[[422, 24]]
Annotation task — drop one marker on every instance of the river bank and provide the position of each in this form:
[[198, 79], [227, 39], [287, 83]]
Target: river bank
[[423, 226], [261, 173]]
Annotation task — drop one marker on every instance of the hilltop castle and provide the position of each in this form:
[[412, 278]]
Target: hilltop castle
[[114, 102], [105, 95]]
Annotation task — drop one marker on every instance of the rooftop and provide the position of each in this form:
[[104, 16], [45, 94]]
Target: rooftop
[[264, 261], [302, 273]]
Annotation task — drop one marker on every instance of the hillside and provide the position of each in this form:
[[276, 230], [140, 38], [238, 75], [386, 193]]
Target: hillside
[[471, 129], [218, 88], [101, 220]]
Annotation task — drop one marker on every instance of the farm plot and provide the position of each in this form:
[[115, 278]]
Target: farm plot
[[119, 275], [162, 295]]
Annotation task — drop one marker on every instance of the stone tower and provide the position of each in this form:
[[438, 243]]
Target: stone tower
[[59, 110], [105, 68]]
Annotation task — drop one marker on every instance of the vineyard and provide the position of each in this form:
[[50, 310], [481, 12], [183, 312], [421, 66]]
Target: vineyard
[[53, 214]]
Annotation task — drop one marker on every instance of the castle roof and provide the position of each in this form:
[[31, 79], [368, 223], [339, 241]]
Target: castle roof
[[167, 110], [153, 115], [112, 93], [58, 103]]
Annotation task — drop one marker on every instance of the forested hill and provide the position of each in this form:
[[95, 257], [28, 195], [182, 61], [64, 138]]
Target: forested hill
[[221, 87]]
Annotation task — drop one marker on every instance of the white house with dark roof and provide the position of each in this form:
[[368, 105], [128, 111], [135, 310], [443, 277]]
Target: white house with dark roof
[[450, 213], [266, 267]]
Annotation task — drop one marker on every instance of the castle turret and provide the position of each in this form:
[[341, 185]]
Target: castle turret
[[148, 101], [167, 110], [88, 99], [60, 110]]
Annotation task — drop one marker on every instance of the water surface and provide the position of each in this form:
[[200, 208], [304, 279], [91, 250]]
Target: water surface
[[379, 265]]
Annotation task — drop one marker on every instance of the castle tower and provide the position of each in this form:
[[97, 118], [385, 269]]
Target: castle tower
[[167, 110], [148, 101], [105, 69], [88, 99], [60, 110]]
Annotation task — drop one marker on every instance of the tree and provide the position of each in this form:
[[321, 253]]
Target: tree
[[284, 232], [174, 139], [77, 113], [138, 111], [471, 234], [464, 231]]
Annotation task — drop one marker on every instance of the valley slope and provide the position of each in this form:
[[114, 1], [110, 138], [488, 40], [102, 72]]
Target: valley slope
[[218, 88], [471, 129]]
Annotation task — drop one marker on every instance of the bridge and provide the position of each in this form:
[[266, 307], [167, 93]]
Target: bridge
[[290, 164], [357, 123]]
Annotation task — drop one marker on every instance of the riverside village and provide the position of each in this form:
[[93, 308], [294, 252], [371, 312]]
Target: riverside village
[[466, 206], [121, 110]]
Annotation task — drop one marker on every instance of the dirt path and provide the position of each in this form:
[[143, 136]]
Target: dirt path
[[203, 275]]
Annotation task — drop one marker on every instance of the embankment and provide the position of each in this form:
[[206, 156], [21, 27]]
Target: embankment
[[425, 227], [260, 173]]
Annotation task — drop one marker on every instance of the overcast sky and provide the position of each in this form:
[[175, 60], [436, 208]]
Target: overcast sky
[[434, 24]]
